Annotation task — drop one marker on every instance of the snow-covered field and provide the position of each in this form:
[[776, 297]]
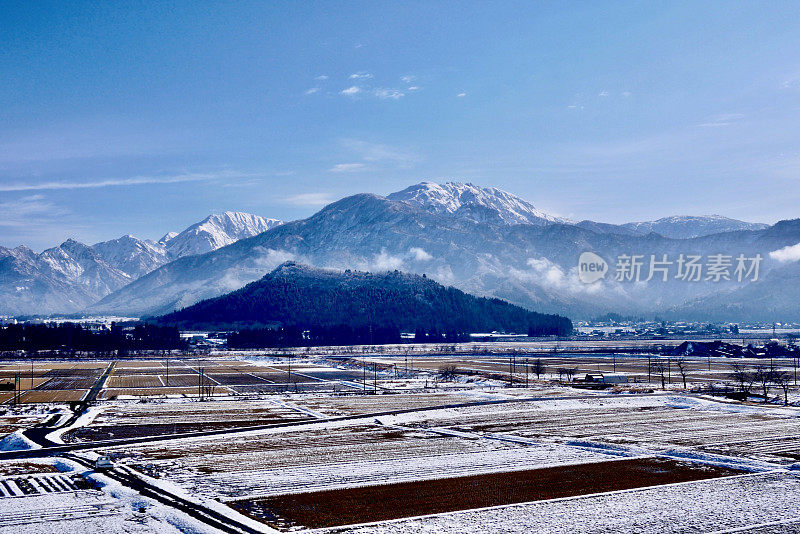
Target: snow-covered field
[[717, 505], [436, 436]]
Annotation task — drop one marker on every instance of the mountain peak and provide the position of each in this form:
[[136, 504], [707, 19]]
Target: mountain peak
[[216, 231], [470, 201]]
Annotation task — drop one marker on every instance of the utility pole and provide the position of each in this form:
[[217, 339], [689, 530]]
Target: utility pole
[[375, 376], [167, 384], [510, 373], [364, 378], [614, 356], [526, 373]]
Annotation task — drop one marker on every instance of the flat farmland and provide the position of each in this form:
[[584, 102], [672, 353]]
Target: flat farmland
[[331, 455], [113, 393], [380, 403], [368, 504], [184, 380], [122, 420], [36, 396], [136, 381]]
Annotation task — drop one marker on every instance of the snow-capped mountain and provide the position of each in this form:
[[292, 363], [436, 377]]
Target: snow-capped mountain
[[688, 226], [216, 231], [481, 240], [65, 278], [474, 203], [133, 256], [530, 265], [72, 276]]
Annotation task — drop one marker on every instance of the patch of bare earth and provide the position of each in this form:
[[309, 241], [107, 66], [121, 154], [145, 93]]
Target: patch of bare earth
[[393, 501]]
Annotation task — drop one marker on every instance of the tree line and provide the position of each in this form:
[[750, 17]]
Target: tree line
[[32, 337], [339, 335]]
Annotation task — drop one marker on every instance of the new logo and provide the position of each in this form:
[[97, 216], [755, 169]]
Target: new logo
[[591, 267]]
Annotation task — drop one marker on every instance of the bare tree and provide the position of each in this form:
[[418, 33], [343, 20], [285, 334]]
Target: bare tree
[[447, 372], [538, 368], [743, 377], [566, 372], [764, 377], [783, 380], [683, 369]]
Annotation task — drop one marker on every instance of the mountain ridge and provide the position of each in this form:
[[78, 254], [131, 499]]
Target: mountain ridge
[[294, 294]]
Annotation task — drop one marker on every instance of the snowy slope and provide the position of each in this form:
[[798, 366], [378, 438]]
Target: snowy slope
[[688, 226], [530, 265], [72, 276], [131, 255], [216, 231], [469, 201]]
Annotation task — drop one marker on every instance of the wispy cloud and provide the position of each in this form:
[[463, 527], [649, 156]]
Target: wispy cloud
[[361, 76], [29, 210], [408, 79], [312, 91], [117, 182], [347, 167], [321, 78], [309, 199], [461, 95], [724, 119], [377, 152], [385, 94], [603, 94], [413, 88], [351, 91]]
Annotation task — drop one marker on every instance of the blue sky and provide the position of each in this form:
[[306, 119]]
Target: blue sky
[[144, 117]]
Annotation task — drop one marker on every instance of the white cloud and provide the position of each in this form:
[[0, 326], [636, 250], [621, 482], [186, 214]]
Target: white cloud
[[603, 94], [408, 78], [351, 91], [786, 254], [347, 167], [419, 254], [309, 199], [413, 88], [382, 262], [547, 274], [312, 91], [444, 275], [385, 94], [321, 78], [461, 95], [115, 182], [361, 76]]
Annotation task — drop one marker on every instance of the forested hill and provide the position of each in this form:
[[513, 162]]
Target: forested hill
[[298, 295]]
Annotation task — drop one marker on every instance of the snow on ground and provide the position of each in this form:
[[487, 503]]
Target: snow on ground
[[61, 508], [705, 506], [17, 442]]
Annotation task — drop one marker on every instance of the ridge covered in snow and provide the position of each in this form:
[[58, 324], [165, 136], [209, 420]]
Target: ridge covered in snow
[[71, 276], [479, 204], [216, 231]]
